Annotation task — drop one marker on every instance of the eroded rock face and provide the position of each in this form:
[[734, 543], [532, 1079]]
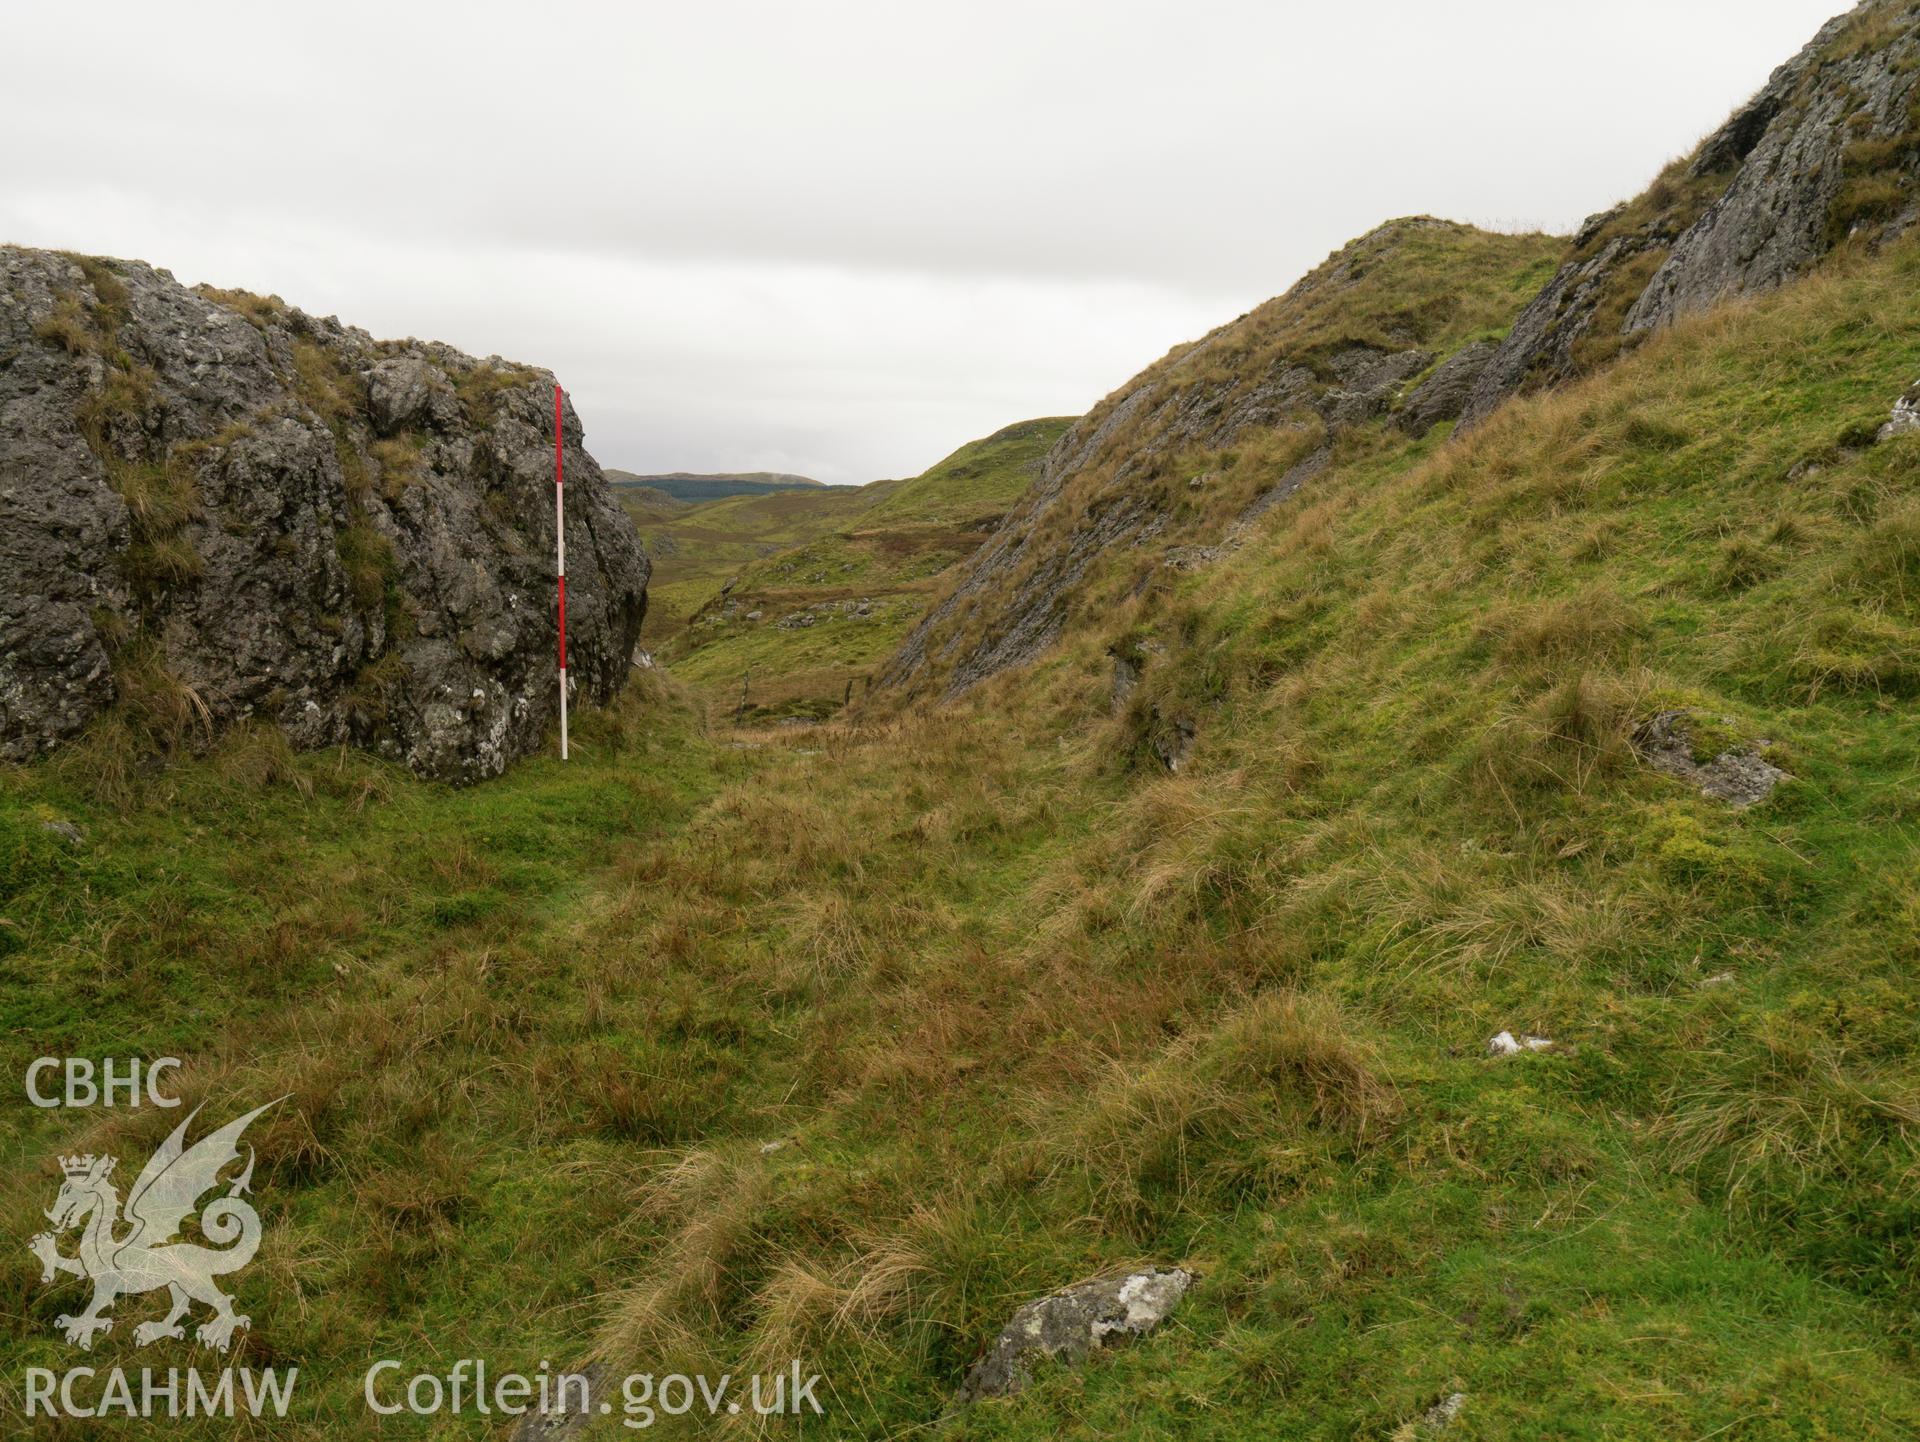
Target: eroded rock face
[[1828, 150], [1540, 349], [1443, 395], [1822, 119], [290, 520], [1070, 1324]]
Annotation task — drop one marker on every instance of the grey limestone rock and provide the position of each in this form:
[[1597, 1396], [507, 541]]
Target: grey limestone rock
[[1905, 419], [576, 1399], [1028, 573], [1068, 1325], [1776, 179], [1739, 777], [348, 537], [1443, 395]]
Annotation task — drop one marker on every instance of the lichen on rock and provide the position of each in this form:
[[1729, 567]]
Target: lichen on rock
[[1738, 776], [281, 518], [1068, 1325]]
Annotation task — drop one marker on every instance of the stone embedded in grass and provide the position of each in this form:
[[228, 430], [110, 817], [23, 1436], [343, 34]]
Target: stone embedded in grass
[[1506, 1044], [1173, 741], [1906, 415], [576, 1404], [66, 831], [1126, 676], [1441, 1414], [1069, 1324], [1738, 777]]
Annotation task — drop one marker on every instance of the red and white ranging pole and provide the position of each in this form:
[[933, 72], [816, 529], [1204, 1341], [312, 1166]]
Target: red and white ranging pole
[[560, 561]]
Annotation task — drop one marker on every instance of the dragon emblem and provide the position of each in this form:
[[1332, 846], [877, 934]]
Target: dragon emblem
[[146, 1252]]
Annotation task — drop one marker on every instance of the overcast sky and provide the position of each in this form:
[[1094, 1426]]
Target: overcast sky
[[833, 238]]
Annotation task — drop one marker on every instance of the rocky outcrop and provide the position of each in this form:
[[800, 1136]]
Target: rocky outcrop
[[1337, 351], [249, 512], [1443, 395], [1814, 149], [1737, 775], [1828, 151], [1545, 343], [1067, 1326]]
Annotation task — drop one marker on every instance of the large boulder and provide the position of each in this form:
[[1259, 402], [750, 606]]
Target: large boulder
[[263, 514]]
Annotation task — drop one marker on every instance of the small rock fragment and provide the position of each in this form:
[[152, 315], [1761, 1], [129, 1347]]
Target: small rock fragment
[[1738, 777], [1443, 1412], [1906, 415], [1506, 1044], [1070, 1323], [577, 1398]]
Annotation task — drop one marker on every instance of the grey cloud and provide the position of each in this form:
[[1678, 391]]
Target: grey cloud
[[835, 230]]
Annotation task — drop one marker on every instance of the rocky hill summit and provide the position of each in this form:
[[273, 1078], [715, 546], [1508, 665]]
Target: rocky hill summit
[[1405, 327], [1826, 153], [1393, 326], [215, 507]]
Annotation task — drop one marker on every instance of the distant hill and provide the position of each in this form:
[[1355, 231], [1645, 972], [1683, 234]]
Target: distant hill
[[686, 486], [651, 506], [807, 590]]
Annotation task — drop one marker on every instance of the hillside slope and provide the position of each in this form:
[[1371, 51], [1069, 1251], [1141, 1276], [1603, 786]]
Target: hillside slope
[[1225, 428], [1826, 155], [1176, 934], [702, 1058], [697, 545]]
